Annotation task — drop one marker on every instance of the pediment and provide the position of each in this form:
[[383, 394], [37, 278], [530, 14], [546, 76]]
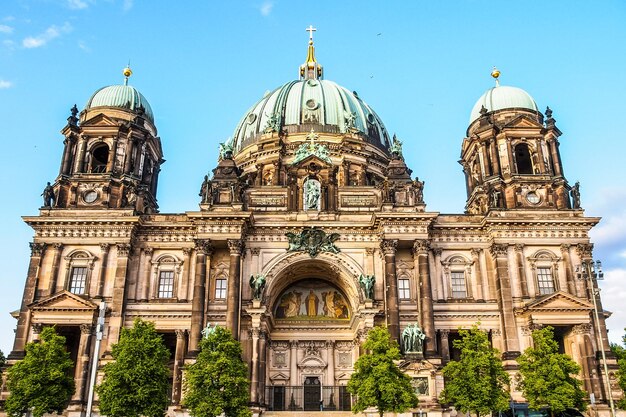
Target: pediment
[[63, 301], [100, 120], [559, 301], [311, 158], [279, 377], [522, 120]]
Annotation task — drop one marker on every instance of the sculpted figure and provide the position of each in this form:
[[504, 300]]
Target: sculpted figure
[[257, 283], [575, 192], [413, 339], [367, 285], [48, 196], [206, 190], [419, 190]]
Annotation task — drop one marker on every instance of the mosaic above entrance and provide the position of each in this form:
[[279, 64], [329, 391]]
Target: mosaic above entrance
[[312, 299]]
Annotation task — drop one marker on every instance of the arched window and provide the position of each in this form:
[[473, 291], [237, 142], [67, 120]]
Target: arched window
[[166, 271], [220, 281], [544, 265], [458, 269], [99, 158], [79, 265], [523, 159]]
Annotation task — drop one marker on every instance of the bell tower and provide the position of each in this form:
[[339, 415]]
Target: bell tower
[[510, 156], [112, 155]]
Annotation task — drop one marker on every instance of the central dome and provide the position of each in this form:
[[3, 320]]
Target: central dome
[[299, 106]]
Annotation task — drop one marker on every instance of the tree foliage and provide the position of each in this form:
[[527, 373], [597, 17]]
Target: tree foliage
[[2, 361], [377, 381], [620, 353], [136, 382], [477, 382], [42, 381], [218, 381], [548, 377]]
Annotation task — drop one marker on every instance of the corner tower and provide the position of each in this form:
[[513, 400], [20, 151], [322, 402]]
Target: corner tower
[[112, 155], [510, 156]]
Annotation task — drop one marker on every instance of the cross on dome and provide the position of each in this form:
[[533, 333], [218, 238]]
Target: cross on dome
[[311, 29]]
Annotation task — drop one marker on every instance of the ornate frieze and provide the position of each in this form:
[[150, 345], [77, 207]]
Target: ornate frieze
[[312, 241]]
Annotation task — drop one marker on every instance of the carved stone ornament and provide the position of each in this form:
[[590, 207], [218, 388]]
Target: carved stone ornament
[[204, 246], [312, 241], [584, 250], [37, 249], [388, 247], [499, 249], [235, 246], [123, 249], [421, 247], [309, 148]]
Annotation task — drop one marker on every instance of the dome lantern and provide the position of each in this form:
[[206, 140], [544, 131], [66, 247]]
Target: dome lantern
[[311, 69]]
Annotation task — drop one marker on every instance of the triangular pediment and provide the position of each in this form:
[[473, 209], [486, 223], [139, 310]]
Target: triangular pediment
[[311, 158], [100, 120], [279, 377], [523, 120], [63, 301], [559, 301]]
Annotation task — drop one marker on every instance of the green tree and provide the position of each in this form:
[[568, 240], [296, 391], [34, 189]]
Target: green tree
[[620, 353], [136, 382], [42, 381], [2, 361], [377, 381], [218, 381], [477, 382], [548, 377]]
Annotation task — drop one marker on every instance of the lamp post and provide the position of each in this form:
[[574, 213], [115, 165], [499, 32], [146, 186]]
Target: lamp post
[[591, 271]]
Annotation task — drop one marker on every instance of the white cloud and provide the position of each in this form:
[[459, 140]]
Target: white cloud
[[266, 8], [51, 33], [82, 45], [127, 5], [5, 84], [6, 29], [77, 4], [613, 293]]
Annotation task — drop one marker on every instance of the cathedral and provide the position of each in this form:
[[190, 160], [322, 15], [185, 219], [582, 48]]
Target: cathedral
[[311, 230]]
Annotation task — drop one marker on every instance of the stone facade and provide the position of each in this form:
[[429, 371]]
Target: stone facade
[[312, 209]]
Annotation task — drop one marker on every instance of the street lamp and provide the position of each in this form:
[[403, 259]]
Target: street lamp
[[592, 271]]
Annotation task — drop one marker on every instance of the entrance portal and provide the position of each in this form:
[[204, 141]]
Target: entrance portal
[[312, 393]]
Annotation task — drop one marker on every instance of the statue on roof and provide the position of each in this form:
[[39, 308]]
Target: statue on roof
[[396, 148], [48, 196], [226, 150]]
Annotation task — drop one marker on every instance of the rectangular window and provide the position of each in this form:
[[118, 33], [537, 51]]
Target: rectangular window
[[220, 288], [545, 282], [78, 280], [166, 284], [403, 289], [458, 284]]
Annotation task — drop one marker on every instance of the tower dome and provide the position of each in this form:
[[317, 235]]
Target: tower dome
[[502, 97], [121, 96], [310, 103]]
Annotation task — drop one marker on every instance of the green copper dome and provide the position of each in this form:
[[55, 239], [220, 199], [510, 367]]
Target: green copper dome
[[503, 97], [299, 106], [122, 96]]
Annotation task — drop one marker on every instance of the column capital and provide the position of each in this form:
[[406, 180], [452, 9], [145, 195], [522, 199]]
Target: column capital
[[475, 252], [104, 247], [421, 247], [584, 250], [187, 251], [444, 333], [369, 251], [58, 246], [235, 246], [204, 246], [519, 247], [37, 327], [148, 252], [123, 249], [499, 250], [37, 249], [180, 333], [389, 246], [255, 251], [86, 328], [584, 328], [565, 247]]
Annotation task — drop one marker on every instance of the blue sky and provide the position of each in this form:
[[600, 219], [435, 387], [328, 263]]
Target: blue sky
[[420, 64]]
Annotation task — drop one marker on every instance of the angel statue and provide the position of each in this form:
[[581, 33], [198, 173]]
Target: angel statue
[[257, 283], [367, 285]]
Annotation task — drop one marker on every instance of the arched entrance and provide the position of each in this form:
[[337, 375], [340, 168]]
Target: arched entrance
[[313, 324]]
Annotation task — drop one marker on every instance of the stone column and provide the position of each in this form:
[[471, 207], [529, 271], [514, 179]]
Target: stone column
[[80, 154], [521, 269], [388, 248], [262, 365], [330, 370], [569, 273], [145, 275], [104, 255], [556, 158], [478, 274], [54, 272], [445, 345], [118, 301], [81, 374], [129, 153], [420, 250], [254, 371], [184, 285], [37, 252], [112, 151], [233, 303], [495, 158], [179, 358], [505, 302], [203, 248], [66, 163], [293, 363], [443, 284]]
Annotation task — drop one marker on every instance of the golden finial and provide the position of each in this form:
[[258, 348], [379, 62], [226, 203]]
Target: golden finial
[[495, 74], [127, 73]]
